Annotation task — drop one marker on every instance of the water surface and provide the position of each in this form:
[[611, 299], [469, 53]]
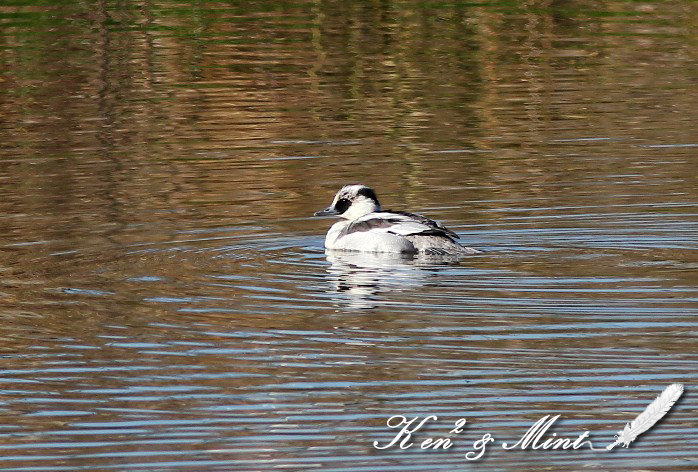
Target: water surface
[[165, 301]]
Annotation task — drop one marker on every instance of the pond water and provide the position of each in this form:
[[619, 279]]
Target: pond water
[[165, 299]]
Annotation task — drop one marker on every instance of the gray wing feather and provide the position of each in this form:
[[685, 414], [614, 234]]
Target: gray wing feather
[[401, 223], [434, 227]]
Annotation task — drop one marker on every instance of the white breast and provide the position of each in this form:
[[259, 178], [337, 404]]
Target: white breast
[[366, 241]]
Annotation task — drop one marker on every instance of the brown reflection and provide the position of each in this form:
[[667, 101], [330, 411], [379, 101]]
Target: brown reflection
[[158, 110]]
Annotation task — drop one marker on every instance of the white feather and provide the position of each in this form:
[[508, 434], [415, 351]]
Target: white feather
[[403, 224], [653, 413], [406, 228]]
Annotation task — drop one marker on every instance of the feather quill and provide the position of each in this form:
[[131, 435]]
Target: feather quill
[[653, 413]]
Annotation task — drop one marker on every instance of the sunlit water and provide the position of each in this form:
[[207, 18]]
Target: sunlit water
[[165, 301]]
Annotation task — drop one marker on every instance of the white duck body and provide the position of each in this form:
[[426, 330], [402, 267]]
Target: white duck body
[[365, 241], [366, 228]]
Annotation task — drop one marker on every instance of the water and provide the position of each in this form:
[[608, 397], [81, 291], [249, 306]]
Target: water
[[165, 300]]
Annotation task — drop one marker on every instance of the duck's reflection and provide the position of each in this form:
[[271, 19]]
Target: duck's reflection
[[359, 279]]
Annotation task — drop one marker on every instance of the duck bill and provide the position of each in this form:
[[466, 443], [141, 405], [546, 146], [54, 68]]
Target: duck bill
[[327, 212]]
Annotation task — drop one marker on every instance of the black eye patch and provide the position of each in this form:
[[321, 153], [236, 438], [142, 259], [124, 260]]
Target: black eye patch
[[342, 205]]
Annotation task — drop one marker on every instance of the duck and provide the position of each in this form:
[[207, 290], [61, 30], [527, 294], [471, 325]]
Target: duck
[[365, 227]]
